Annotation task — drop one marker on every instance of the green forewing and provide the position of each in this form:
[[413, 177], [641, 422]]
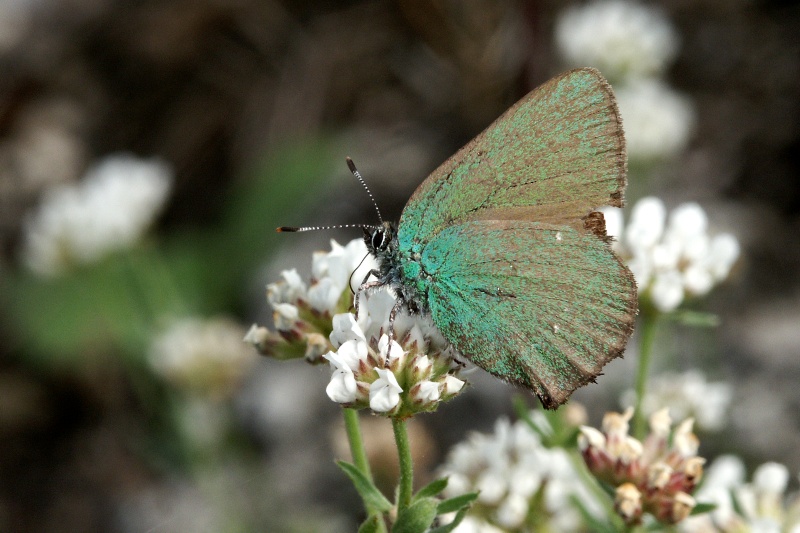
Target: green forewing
[[552, 157], [516, 276], [536, 304]]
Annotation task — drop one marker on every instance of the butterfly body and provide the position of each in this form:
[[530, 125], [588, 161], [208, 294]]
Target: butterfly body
[[501, 245]]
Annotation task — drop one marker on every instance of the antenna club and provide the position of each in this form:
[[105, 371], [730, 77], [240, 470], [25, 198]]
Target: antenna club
[[287, 229], [350, 164]]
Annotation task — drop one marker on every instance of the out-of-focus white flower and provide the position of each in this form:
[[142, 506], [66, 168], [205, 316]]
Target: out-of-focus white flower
[[658, 121], [687, 395], [109, 210], [517, 477], [673, 258], [203, 356], [623, 39], [759, 506]]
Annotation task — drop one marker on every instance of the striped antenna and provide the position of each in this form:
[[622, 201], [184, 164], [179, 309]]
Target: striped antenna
[[357, 174], [292, 229]]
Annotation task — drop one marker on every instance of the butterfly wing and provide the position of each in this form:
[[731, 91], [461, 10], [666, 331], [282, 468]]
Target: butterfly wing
[[540, 305], [552, 157]]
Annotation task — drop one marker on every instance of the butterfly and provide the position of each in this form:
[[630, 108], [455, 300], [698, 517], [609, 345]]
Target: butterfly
[[502, 247]]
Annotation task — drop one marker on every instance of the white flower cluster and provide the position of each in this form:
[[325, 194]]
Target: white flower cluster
[[333, 273], [109, 210], [671, 258], [621, 38], [413, 373], [687, 394], [633, 45], [395, 378], [204, 356], [761, 506], [517, 477]]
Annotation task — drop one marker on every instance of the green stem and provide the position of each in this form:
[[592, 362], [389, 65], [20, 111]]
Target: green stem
[[356, 442], [406, 466], [646, 339]]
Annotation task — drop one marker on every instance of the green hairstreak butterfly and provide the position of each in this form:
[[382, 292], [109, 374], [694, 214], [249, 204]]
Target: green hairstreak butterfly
[[501, 245]]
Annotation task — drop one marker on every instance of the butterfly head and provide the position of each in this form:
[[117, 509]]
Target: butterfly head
[[380, 238]]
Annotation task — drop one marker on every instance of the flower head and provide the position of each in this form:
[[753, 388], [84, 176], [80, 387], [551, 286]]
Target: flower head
[[519, 479], [623, 39], [393, 378], [671, 257], [109, 210], [413, 372], [655, 476], [202, 356]]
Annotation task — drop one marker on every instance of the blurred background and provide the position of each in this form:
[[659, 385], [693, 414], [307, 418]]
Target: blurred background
[[148, 150]]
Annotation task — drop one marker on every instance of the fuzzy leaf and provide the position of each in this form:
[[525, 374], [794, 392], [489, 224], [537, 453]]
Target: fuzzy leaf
[[432, 489], [417, 517], [456, 503], [373, 499]]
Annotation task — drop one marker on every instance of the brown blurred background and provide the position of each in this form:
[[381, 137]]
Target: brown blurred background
[[255, 104]]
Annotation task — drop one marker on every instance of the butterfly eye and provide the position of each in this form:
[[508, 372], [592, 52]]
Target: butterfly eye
[[378, 239]]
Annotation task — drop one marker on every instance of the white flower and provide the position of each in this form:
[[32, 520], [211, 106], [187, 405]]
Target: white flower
[[339, 265], [206, 356], [390, 351], [451, 385], [658, 121], [758, 506], [345, 328], [285, 316], [289, 290], [342, 387], [771, 478], [426, 392], [672, 258], [687, 394], [622, 39], [384, 393], [353, 352], [109, 210]]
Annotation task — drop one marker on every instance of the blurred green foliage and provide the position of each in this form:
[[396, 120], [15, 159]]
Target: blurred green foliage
[[118, 302]]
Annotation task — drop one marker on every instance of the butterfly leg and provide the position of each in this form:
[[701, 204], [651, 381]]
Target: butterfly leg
[[365, 286], [398, 305]]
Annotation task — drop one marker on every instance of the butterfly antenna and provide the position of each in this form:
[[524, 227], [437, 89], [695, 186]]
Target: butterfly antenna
[[293, 229], [357, 174]]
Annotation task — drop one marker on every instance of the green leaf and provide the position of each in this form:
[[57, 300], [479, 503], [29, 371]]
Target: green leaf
[[447, 528], [373, 499], [701, 508], [417, 517], [456, 503], [432, 489], [371, 524]]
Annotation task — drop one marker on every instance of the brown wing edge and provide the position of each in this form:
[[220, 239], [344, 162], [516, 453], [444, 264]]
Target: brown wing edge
[[554, 399], [617, 197]]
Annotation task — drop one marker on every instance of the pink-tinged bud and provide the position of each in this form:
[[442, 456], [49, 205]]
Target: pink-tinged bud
[[628, 503], [674, 508], [659, 475]]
